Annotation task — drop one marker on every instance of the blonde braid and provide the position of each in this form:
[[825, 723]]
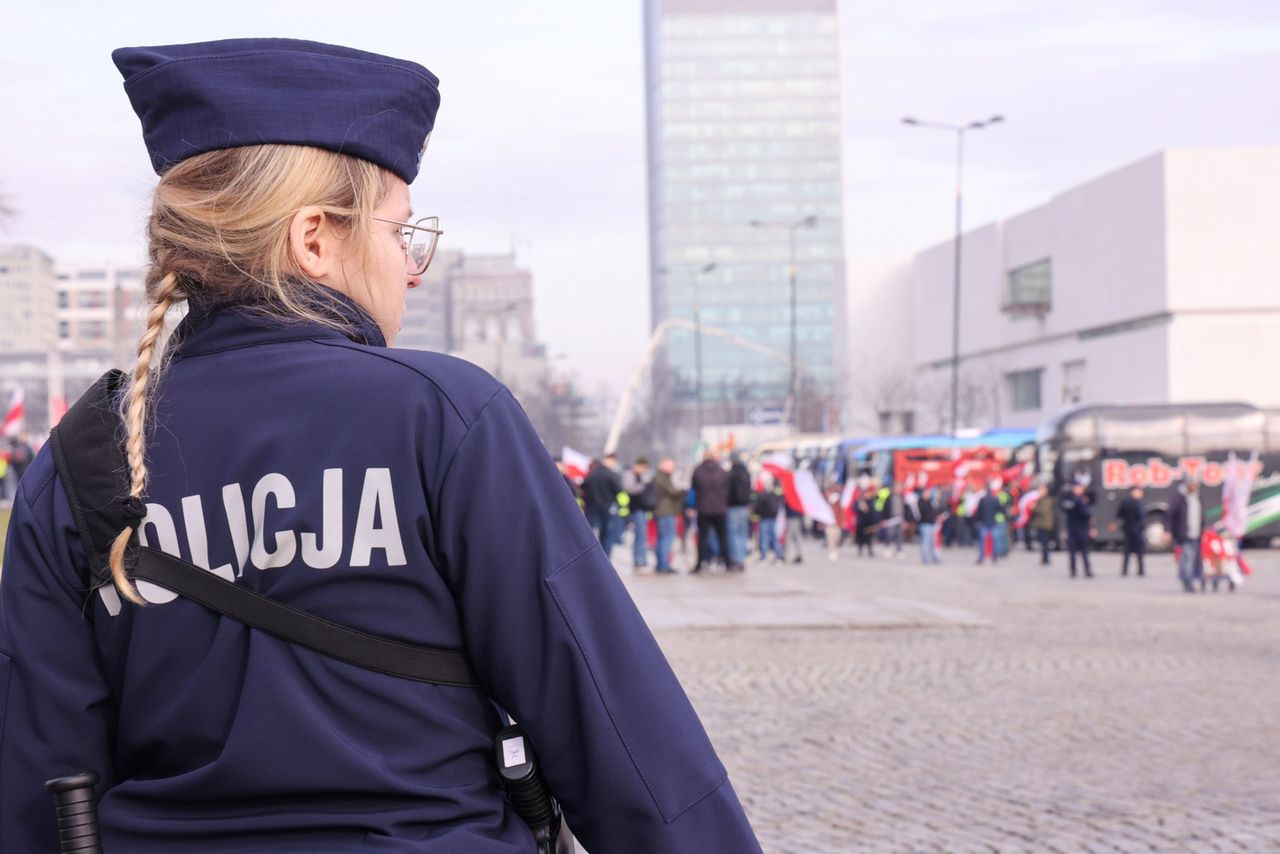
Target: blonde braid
[[135, 411]]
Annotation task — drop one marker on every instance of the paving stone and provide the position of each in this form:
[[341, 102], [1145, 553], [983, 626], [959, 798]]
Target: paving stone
[[877, 705]]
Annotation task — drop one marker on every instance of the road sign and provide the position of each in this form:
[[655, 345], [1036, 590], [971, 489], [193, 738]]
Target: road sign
[[765, 415]]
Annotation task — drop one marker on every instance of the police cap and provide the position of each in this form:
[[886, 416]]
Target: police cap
[[194, 98]]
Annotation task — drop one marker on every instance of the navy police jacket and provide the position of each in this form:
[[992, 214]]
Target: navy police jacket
[[401, 493]]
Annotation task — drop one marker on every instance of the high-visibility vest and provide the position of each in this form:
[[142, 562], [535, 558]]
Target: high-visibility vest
[[1003, 499]]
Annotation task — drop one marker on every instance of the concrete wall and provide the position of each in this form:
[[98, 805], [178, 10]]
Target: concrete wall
[[1164, 285], [1105, 241], [1223, 221]]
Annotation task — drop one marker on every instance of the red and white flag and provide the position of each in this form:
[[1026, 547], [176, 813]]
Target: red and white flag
[[802, 493], [1237, 488], [13, 419], [576, 463], [849, 493]]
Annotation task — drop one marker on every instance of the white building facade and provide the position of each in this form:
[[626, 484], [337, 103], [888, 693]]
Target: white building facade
[[101, 314], [1157, 282], [28, 332]]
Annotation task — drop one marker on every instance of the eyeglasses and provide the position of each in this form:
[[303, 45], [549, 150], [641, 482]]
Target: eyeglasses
[[418, 240]]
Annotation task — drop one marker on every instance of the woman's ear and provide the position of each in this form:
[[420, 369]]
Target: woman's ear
[[315, 245]]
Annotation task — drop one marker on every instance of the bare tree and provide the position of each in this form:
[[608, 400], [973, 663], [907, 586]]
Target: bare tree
[[977, 396], [657, 418], [878, 392]]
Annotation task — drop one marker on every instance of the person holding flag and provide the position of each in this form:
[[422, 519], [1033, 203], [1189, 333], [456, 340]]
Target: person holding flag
[[15, 415]]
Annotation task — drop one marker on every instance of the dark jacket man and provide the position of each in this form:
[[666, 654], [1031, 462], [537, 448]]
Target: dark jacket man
[[1131, 513], [1178, 517], [767, 504], [1078, 513], [711, 485], [711, 490], [988, 509], [600, 489], [926, 510]]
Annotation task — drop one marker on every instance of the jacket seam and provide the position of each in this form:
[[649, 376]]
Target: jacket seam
[[564, 614], [457, 452], [345, 344], [46, 538], [41, 488]]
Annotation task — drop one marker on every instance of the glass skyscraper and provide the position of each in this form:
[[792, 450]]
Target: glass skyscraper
[[743, 103]]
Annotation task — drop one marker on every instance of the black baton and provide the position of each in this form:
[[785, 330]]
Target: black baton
[[77, 813], [526, 792]]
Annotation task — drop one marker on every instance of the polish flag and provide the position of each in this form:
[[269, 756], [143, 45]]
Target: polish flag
[[14, 418], [802, 493], [1026, 504], [849, 494], [1237, 488], [576, 463]]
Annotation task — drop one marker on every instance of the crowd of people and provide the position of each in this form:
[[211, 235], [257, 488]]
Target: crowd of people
[[734, 514], [16, 453], [717, 504]]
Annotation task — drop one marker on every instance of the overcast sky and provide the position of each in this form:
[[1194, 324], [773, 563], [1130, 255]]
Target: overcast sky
[[540, 139]]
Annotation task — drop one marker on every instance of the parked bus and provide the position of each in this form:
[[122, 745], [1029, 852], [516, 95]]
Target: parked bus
[[1157, 446], [975, 457], [800, 449]]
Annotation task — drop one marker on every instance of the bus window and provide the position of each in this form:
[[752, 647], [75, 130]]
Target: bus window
[[1160, 435], [1244, 432], [1071, 456], [1080, 431]]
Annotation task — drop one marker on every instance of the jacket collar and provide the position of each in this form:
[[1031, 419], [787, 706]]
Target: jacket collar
[[211, 327]]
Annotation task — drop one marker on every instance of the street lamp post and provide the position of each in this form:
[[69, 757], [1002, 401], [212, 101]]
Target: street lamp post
[[697, 341], [955, 297], [793, 394]]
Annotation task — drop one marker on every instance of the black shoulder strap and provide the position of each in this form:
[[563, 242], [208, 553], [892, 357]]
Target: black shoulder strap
[[420, 663], [88, 451]]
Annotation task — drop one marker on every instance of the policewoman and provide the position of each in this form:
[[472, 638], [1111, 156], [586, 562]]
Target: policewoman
[[278, 442]]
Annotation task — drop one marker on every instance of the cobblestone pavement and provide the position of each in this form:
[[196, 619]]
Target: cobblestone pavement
[[1105, 714]]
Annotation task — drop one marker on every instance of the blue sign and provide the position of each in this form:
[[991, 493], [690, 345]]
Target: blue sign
[[759, 415]]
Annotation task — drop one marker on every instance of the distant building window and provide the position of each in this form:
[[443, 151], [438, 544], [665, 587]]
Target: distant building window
[[1073, 374], [93, 330], [64, 329], [91, 299], [1024, 389], [92, 275], [1030, 289], [64, 299]]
